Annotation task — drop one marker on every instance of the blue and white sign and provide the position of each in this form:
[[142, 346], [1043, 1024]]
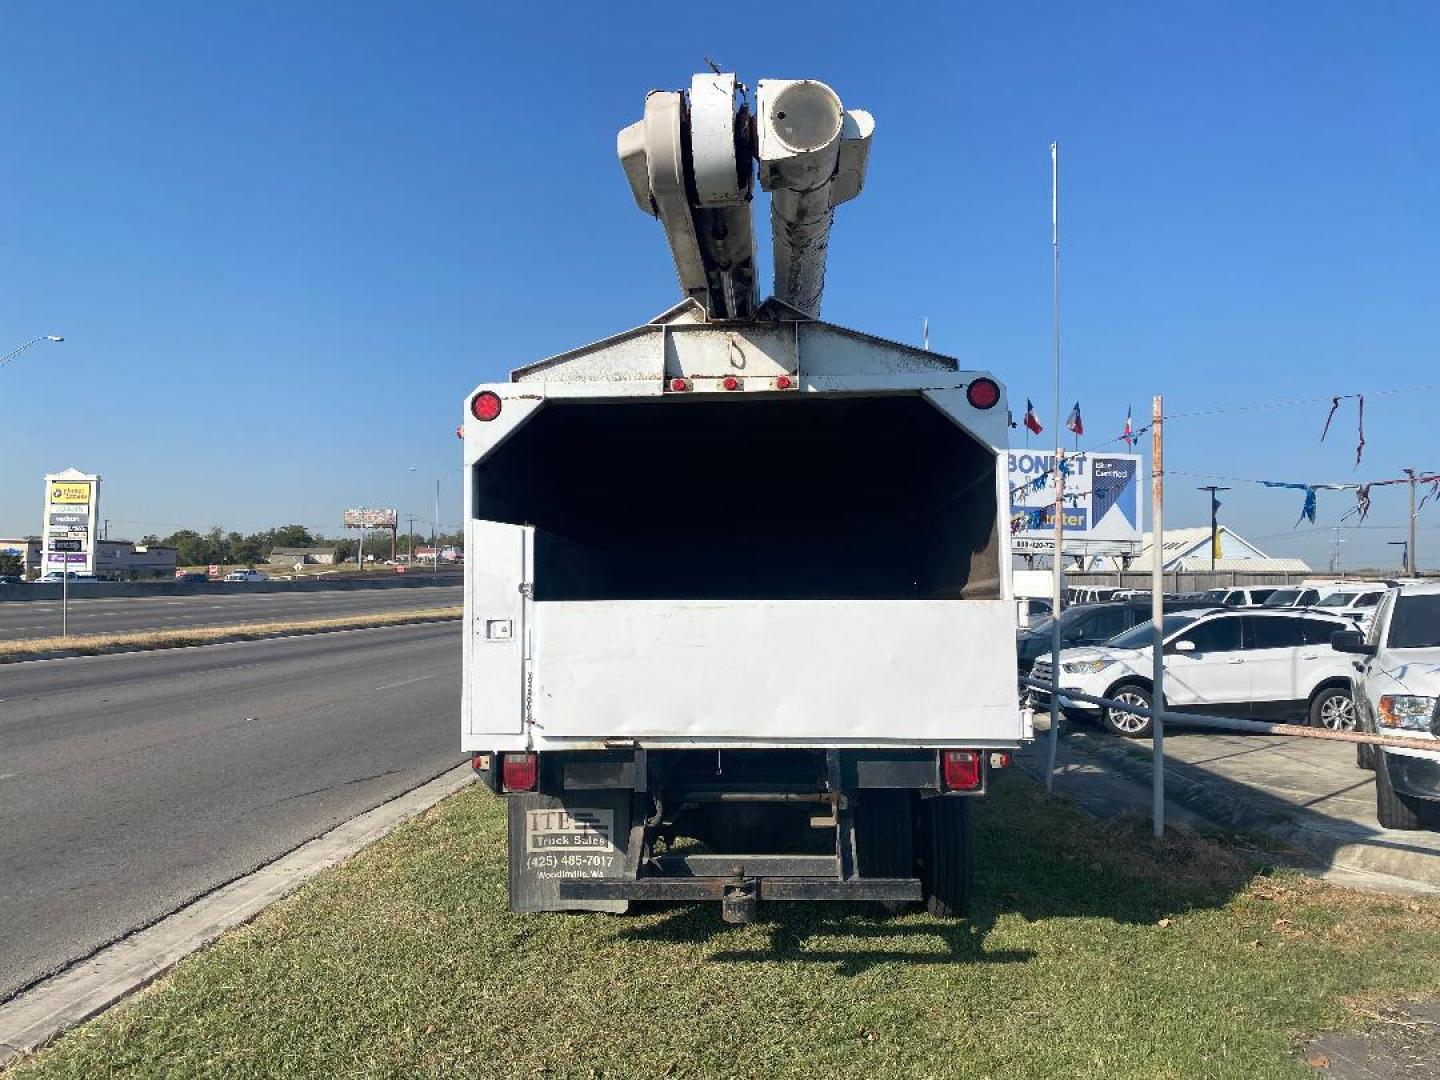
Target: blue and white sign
[[1103, 507]]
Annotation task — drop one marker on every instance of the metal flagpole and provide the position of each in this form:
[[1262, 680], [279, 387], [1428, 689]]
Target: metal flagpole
[[1157, 608], [1057, 580]]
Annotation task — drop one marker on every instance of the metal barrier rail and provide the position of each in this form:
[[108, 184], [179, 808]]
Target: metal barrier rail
[[1160, 716]]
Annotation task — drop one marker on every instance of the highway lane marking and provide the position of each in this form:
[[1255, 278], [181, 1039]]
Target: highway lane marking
[[403, 682]]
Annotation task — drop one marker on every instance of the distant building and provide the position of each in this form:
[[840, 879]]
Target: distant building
[[1189, 549], [289, 556], [115, 560], [123, 560], [27, 550]]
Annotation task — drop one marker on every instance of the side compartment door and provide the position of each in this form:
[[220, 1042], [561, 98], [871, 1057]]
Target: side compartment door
[[498, 561]]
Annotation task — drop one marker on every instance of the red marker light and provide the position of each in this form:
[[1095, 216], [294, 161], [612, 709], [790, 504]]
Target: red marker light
[[983, 393], [730, 383], [960, 769], [783, 383], [679, 385], [519, 772], [486, 405]]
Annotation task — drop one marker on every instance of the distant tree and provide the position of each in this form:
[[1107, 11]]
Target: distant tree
[[291, 536], [12, 564], [149, 540], [191, 549]]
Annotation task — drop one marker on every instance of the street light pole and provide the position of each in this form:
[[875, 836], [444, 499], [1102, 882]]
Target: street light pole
[[35, 340], [435, 536], [1214, 519], [1404, 546]]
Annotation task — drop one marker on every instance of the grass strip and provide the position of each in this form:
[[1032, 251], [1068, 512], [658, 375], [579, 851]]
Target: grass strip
[[178, 637], [1093, 950]]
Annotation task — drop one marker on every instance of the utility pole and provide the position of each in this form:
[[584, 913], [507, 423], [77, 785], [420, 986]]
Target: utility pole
[[1213, 489], [435, 532], [1335, 552], [411, 534], [1410, 549]]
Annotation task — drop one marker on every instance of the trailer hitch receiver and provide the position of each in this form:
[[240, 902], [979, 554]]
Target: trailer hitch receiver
[[740, 902]]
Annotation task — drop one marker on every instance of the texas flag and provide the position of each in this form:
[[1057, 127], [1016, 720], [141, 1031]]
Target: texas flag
[[1073, 422], [1129, 433], [1030, 420]]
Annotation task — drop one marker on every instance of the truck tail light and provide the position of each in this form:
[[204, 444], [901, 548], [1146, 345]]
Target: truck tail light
[[519, 772], [960, 769], [486, 405], [983, 393], [784, 382], [679, 386], [730, 382]]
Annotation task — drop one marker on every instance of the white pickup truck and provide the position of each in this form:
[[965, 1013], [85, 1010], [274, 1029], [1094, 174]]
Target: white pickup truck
[[738, 622], [1397, 692]]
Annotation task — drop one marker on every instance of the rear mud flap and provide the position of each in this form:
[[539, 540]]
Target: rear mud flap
[[578, 837]]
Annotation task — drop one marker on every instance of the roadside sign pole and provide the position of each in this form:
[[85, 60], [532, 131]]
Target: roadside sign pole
[[65, 596], [1157, 607]]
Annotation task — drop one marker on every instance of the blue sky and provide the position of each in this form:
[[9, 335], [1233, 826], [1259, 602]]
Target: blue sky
[[283, 241]]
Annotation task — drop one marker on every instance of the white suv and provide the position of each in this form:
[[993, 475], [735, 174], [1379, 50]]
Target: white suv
[[1396, 690], [1251, 663]]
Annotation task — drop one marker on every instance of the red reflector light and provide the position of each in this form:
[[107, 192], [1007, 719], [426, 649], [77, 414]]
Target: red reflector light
[[518, 772], [783, 383], [730, 383], [983, 393], [679, 385], [486, 405], [960, 769]]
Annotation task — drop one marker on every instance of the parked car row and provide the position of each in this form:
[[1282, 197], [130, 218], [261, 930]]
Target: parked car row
[[1360, 658]]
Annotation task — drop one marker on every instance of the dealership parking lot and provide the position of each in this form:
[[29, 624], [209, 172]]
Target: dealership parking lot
[[1305, 794]]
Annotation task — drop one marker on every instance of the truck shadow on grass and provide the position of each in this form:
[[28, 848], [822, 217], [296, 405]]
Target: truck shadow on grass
[[1036, 857]]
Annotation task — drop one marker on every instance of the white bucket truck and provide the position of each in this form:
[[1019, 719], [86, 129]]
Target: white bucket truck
[[738, 620]]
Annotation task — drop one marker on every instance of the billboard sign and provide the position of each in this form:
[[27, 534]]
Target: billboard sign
[[1103, 509], [72, 507], [365, 518]]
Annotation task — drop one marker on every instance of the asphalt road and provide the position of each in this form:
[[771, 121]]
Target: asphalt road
[[104, 615], [132, 783]]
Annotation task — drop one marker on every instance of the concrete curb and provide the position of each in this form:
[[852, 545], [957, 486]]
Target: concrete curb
[[1344, 846], [300, 631], [39, 1014]]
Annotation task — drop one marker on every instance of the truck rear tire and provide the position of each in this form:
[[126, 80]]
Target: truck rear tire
[[885, 839], [949, 856]]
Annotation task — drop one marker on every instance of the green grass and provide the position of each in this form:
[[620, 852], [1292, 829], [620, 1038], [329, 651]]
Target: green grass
[[1093, 952]]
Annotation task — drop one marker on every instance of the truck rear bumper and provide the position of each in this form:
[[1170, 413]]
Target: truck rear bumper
[[716, 888]]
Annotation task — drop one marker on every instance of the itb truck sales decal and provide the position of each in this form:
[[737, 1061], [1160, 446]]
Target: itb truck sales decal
[[570, 843]]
